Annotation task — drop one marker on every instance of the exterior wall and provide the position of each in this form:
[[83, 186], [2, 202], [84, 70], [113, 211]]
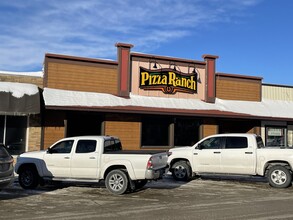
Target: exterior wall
[[81, 76], [283, 93], [34, 133], [22, 79], [138, 62], [54, 128], [236, 87], [209, 127], [255, 130], [276, 92], [127, 128], [33, 136]]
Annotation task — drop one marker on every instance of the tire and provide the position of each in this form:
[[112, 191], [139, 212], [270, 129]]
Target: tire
[[181, 171], [28, 178], [140, 183], [117, 182], [279, 176]]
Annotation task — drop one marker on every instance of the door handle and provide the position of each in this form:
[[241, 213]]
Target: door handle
[[66, 157], [195, 153], [248, 153], [92, 157], [217, 152]]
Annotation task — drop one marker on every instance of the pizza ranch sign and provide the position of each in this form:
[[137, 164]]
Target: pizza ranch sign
[[169, 81]]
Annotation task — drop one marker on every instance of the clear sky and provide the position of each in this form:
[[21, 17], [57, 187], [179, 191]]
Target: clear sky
[[251, 37]]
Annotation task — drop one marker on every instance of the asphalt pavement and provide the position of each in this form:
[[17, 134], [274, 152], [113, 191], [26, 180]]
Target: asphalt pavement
[[202, 198]]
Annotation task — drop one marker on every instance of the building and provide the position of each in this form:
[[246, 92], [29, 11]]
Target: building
[[20, 103], [151, 101]]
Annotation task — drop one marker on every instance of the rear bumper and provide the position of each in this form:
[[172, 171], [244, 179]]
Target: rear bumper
[[156, 174], [6, 181]]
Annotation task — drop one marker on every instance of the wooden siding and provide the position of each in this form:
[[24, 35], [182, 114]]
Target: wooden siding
[[208, 129], [54, 128], [76, 77], [233, 88], [52, 134], [127, 130]]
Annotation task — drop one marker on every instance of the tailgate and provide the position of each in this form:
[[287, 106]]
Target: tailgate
[[159, 160]]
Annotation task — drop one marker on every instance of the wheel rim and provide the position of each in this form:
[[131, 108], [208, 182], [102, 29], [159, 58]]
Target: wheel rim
[[27, 178], [180, 171], [116, 182], [279, 177]]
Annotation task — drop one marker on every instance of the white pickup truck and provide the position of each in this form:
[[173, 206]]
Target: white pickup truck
[[236, 154], [89, 159]]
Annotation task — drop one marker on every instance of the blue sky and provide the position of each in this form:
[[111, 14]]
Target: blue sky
[[251, 37]]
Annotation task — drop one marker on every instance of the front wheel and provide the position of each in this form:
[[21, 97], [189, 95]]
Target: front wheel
[[181, 170], [117, 182], [279, 176], [28, 178]]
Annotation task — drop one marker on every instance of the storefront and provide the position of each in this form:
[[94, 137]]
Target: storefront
[[19, 108], [278, 133], [148, 101]]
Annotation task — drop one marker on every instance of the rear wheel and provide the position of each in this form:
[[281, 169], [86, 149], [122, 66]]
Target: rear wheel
[[279, 176], [28, 178], [117, 182], [181, 170]]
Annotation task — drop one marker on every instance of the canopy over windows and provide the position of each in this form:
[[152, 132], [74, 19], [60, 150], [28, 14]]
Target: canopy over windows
[[19, 99]]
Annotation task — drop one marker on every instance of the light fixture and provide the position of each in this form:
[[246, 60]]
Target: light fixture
[[153, 64], [194, 72], [172, 64]]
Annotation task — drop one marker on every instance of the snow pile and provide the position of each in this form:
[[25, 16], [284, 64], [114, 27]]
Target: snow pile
[[266, 108], [18, 90]]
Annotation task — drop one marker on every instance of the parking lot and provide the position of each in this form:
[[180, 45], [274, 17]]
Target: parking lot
[[203, 198]]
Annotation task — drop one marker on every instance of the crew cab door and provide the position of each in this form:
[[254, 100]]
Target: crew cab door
[[57, 160], [237, 156], [85, 158], [207, 155]]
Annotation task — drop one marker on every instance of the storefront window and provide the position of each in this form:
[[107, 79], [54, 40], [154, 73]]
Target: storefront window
[[13, 133], [155, 132], [275, 136], [186, 132]]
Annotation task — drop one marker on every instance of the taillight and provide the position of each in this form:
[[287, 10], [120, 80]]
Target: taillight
[[150, 164], [169, 153]]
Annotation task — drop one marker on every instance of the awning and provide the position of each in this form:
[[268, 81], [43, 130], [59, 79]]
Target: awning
[[19, 99], [266, 109]]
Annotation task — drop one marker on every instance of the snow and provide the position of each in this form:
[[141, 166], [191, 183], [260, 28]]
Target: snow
[[34, 74], [265, 108], [18, 90]]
